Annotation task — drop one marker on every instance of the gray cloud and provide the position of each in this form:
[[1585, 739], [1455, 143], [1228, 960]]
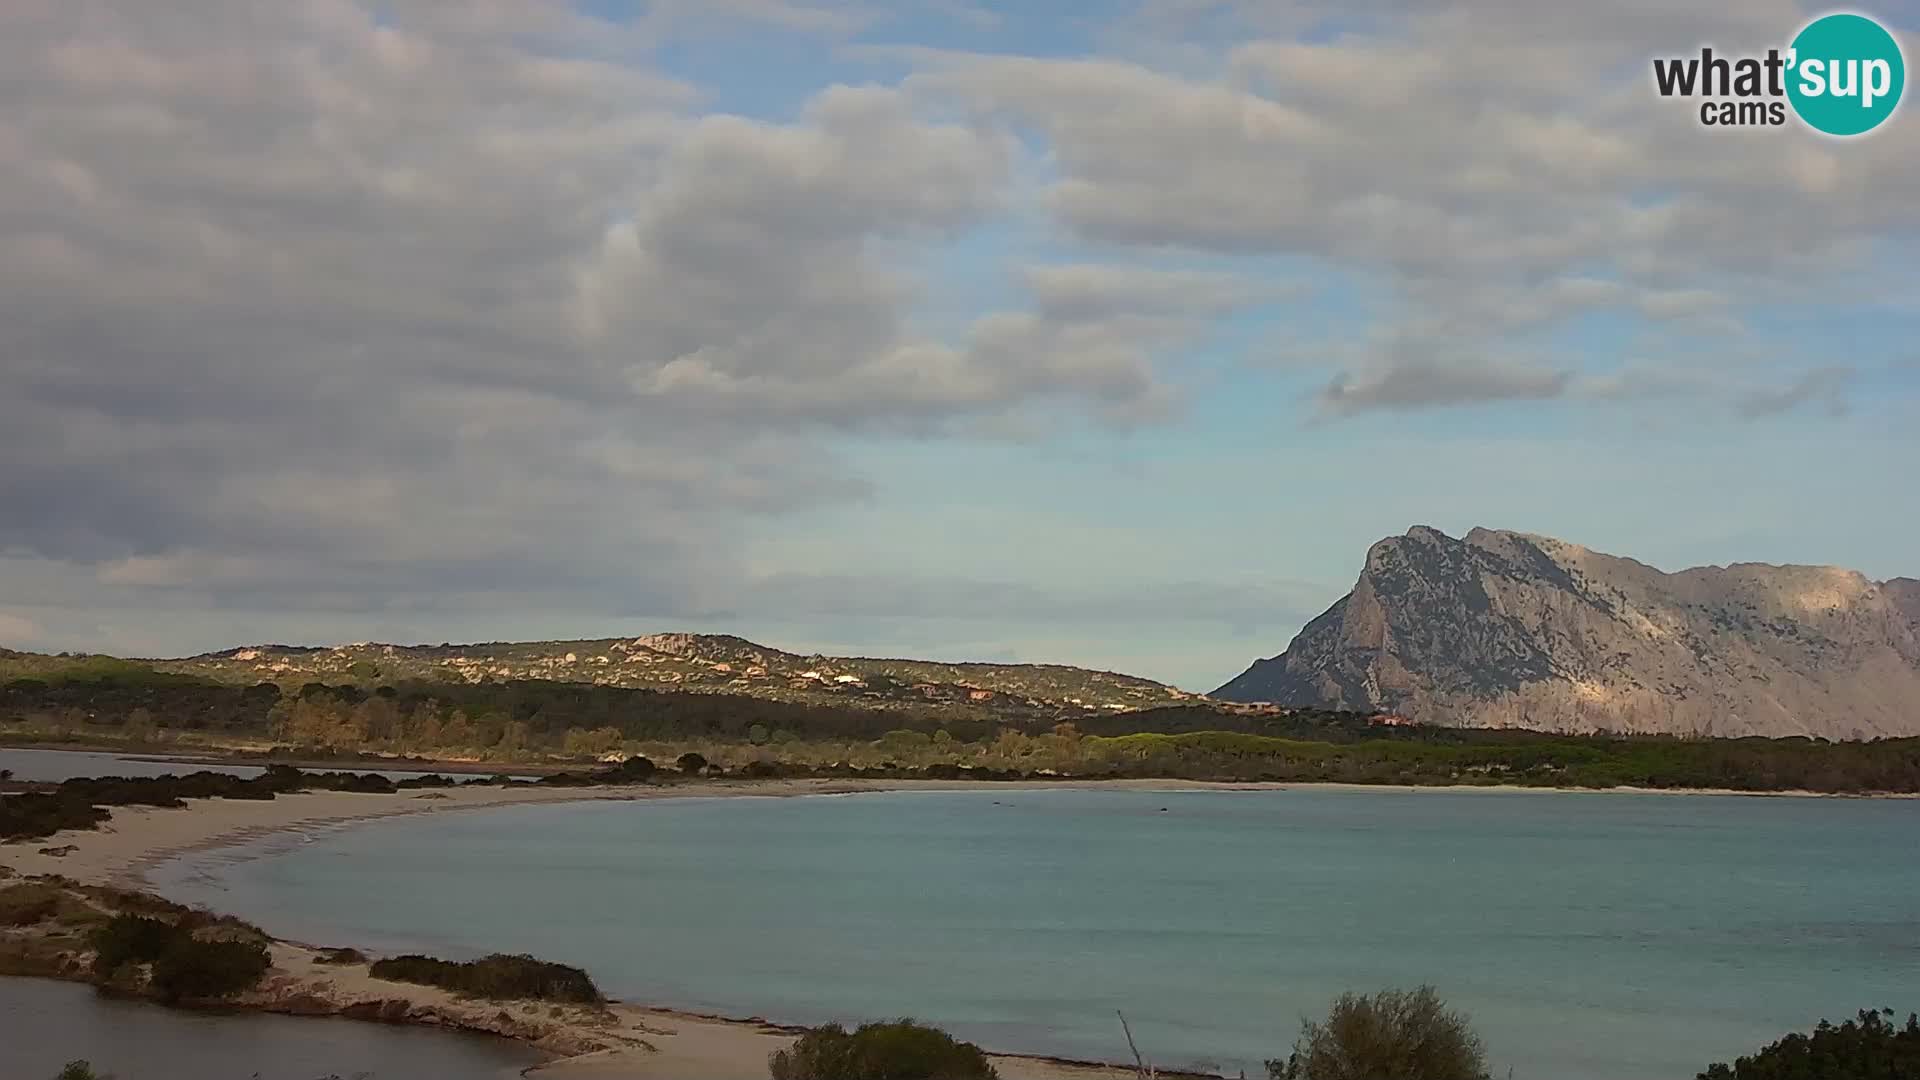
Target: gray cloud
[[1824, 387], [1497, 168], [304, 306], [1414, 386]]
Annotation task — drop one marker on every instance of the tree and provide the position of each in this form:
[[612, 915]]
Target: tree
[[1866, 1048], [1403, 1034], [691, 762], [900, 1050]]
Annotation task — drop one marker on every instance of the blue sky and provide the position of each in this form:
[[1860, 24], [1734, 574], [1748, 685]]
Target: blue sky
[[964, 330]]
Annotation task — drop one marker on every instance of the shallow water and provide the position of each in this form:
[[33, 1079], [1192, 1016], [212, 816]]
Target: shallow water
[[1591, 936], [45, 1024]]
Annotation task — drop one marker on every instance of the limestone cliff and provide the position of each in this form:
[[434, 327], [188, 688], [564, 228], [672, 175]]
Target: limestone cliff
[[1505, 629]]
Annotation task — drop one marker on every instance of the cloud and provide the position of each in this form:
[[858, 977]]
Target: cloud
[[1083, 291], [1495, 169], [1416, 386], [1823, 387], [338, 309], [339, 305], [18, 630]]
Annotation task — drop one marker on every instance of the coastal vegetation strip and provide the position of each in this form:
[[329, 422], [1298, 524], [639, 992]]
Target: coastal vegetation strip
[[541, 724]]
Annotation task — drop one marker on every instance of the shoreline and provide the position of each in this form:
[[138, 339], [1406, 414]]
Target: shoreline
[[137, 838], [627, 1040]]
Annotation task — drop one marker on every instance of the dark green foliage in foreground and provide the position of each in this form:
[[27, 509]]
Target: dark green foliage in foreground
[[498, 977], [184, 967], [901, 1050], [191, 969], [1869, 1048], [129, 939], [81, 1070], [1402, 1034]]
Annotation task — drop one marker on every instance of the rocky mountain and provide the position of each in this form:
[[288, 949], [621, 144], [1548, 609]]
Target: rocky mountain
[[1506, 629]]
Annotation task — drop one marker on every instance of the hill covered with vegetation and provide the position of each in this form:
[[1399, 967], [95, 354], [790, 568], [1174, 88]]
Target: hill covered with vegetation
[[534, 722]]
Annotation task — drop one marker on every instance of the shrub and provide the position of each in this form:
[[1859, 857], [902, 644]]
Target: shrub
[[499, 976], [189, 968], [691, 762], [1403, 1034], [901, 1050], [637, 767], [183, 966], [28, 903], [1868, 1048], [80, 1070], [129, 939]]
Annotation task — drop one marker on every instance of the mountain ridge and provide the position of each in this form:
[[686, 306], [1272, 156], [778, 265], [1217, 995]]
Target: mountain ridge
[[1511, 629]]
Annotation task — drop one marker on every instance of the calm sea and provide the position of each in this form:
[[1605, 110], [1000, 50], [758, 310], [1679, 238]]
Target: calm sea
[[1591, 936]]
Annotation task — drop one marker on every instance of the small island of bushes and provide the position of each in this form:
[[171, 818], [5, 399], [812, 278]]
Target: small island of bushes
[[497, 977]]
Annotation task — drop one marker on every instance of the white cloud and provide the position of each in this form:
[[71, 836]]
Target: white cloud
[[1497, 168], [396, 308]]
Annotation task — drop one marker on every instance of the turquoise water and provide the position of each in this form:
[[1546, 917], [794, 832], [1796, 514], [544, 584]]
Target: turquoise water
[[1591, 936]]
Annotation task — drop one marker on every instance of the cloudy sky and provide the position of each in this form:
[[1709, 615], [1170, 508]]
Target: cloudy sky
[[941, 328]]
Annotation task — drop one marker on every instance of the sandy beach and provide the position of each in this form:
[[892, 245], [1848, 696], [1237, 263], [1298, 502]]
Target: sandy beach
[[627, 1040]]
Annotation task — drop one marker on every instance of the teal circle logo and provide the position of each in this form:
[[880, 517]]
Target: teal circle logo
[[1846, 74]]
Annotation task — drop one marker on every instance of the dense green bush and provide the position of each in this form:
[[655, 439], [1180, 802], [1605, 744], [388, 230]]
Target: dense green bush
[[1867, 1048], [192, 969], [1397, 1034], [184, 966], [900, 1050], [129, 939], [499, 977]]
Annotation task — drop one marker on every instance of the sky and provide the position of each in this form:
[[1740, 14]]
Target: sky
[[1108, 333]]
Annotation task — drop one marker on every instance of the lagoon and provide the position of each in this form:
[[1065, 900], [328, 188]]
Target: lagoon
[[45, 1024], [1591, 936]]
